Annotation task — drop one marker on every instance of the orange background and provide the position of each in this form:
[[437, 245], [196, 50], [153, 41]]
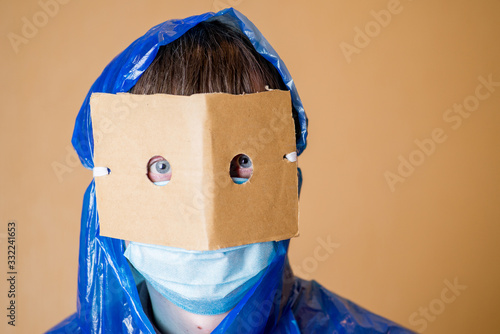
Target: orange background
[[393, 249]]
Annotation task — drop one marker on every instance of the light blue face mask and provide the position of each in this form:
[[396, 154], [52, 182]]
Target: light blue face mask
[[202, 282]]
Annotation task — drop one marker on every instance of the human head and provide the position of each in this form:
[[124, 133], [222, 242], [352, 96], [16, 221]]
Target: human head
[[102, 289]]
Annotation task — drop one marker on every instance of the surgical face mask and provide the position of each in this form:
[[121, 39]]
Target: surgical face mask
[[202, 282]]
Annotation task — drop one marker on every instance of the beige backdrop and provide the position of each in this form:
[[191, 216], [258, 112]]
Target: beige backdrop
[[377, 78]]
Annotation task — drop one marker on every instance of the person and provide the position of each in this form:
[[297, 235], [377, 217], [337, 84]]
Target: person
[[212, 52]]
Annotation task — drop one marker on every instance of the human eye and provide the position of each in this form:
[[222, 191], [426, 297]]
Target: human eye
[[241, 168], [159, 170]]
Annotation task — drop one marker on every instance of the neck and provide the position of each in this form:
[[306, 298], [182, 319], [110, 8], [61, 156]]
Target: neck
[[170, 318]]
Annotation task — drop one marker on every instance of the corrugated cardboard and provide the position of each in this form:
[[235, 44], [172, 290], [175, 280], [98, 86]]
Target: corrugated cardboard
[[200, 208]]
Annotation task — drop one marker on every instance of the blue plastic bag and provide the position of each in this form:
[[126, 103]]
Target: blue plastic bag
[[108, 301]]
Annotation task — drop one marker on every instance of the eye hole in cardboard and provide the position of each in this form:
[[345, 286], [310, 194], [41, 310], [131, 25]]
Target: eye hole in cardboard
[[159, 170], [241, 168]]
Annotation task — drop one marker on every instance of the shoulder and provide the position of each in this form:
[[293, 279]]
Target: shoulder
[[318, 310]]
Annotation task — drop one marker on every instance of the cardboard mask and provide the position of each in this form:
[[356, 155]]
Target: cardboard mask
[[201, 208]]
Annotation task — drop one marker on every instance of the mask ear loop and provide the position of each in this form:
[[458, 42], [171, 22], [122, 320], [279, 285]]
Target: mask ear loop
[[100, 171]]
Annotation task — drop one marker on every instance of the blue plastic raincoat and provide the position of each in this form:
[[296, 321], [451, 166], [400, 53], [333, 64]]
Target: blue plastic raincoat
[[108, 301]]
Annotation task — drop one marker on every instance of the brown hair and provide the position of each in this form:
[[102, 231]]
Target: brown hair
[[210, 57]]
